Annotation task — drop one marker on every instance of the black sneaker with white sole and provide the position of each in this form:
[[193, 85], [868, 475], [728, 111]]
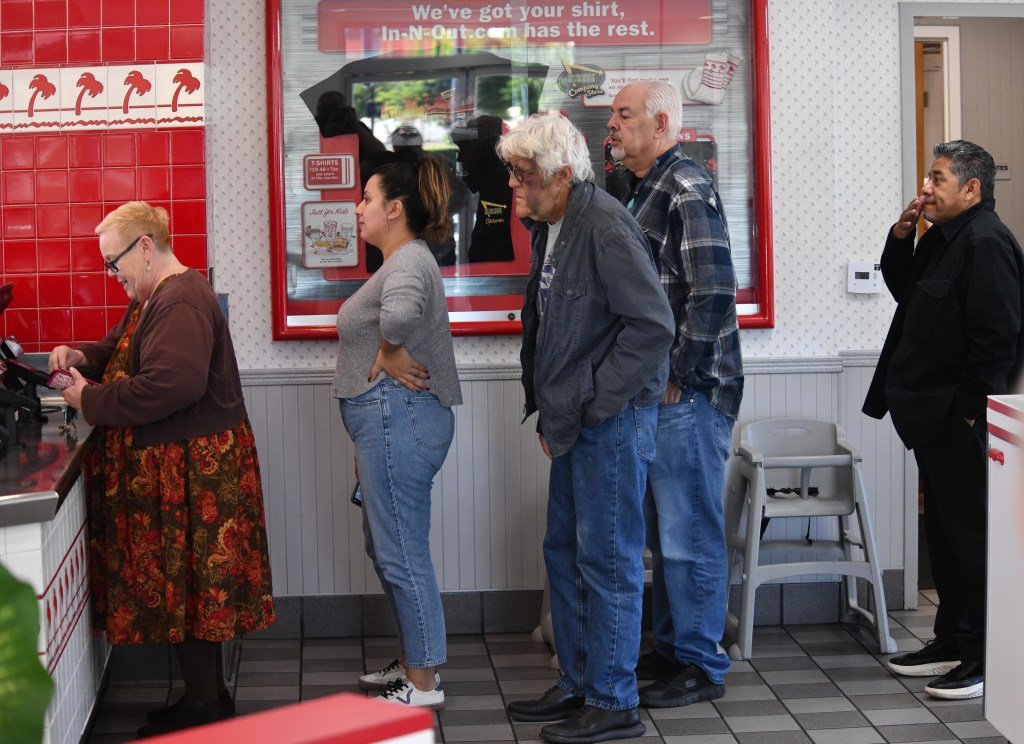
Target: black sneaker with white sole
[[963, 682], [937, 657]]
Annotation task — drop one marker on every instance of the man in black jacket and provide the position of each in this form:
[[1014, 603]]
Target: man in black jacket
[[955, 339]]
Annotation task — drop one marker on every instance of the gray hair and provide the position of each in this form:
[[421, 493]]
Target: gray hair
[[968, 161], [662, 98], [552, 142]]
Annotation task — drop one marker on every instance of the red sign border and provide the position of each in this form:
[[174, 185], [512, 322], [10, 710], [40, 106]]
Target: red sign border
[[765, 290]]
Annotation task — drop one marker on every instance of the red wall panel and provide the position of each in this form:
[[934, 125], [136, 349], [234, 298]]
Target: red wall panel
[[55, 187]]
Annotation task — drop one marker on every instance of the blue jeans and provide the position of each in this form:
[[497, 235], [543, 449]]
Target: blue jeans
[[401, 441], [593, 551], [686, 532]]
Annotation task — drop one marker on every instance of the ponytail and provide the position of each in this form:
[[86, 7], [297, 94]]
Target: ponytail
[[424, 188]]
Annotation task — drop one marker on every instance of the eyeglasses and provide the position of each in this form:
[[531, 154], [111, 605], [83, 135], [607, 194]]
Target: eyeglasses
[[518, 173], [112, 263]]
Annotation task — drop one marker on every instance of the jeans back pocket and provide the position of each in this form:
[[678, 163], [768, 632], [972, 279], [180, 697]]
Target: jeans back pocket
[[433, 424]]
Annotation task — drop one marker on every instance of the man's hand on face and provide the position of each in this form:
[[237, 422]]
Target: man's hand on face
[[907, 222]]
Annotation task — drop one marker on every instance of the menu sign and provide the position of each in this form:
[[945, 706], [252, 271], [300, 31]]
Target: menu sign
[[329, 234], [329, 172]]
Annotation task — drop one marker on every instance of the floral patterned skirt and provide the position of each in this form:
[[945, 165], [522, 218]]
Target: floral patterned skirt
[[177, 539]]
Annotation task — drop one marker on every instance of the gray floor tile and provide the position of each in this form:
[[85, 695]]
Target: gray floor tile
[[729, 708], [330, 678], [915, 732], [972, 729], [872, 687], [524, 673], [783, 663], [701, 739], [773, 737], [819, 705], [354, 666], [467, 648], [799, 677], [268, 679], [468, 662], [476, 717], [536, 686], [859, 673], [517, 660], [743, 678], [311, 692], [245, 707], [898, 716], [806, 691], [474, 688], [472, 702], [467, 675], [846, 736], [136, 694], [268, 665], [748, 692], [270, 652], [834, 720], [960, 712], [245, 694], [690, 726], [332, 652], [748, 724], [349, 642], [885, 702], [484, 732], [697, 710]]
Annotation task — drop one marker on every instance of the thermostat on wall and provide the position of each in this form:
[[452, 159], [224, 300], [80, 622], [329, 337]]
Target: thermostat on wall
[[864, 277]]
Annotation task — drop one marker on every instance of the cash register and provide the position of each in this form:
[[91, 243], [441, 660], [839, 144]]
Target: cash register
[[19, 396]]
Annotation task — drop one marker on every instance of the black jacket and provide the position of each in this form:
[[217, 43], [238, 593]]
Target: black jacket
[[957, 334]]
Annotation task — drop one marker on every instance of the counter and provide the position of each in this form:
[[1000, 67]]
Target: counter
[[1004, 653], [43, 541]]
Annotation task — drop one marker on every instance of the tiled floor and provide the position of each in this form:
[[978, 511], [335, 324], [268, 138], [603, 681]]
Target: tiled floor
[[807, 683]]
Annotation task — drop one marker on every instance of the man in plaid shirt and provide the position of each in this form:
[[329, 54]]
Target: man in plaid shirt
[[676, 205]]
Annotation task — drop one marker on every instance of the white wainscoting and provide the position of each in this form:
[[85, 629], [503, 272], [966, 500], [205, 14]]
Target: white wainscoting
[[488, 514]]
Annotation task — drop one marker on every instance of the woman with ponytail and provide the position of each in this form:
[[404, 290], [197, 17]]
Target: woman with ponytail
[[396, 381]]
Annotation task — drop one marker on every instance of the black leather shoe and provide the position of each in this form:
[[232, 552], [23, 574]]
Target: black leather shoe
[[960, 683], [652, 665], [683, 684], [937, 657], [553, 705], [590, 724], [164, 714], [187, 715]]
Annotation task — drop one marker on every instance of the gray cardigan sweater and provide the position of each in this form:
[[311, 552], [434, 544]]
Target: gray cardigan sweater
[[403, 302]]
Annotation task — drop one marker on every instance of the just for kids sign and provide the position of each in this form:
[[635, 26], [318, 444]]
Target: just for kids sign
[[394, 24]]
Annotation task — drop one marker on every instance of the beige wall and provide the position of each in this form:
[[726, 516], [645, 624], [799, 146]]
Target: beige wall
[[992, 95]]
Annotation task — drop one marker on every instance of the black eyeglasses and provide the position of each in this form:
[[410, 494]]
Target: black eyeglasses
[[518, 173], [112, 263]]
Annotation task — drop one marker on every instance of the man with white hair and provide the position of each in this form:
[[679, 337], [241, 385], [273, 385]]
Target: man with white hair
[[677, 206], [596, 334]]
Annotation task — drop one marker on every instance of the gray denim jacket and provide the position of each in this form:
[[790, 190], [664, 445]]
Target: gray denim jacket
[[604, 338]]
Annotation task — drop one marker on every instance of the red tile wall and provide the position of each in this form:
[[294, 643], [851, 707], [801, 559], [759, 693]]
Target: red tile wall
[[56, 187]]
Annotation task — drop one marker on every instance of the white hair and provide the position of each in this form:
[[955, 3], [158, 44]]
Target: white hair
[[662, 98], [551, 141]]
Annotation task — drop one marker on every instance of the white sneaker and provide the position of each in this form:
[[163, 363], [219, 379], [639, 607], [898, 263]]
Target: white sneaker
[[380, 680], [404, 692]]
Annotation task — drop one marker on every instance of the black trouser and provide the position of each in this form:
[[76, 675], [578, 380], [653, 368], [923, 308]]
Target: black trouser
[[953, 472]]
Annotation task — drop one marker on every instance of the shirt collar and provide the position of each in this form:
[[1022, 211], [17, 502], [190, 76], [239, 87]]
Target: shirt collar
[[952, 227]]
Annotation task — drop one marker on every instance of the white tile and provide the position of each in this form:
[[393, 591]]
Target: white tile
[[27, 565], [36, 100], [84, 103], [132, 96], [23, 537], [180, 94]]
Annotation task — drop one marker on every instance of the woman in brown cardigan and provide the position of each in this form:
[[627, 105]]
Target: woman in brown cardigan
[[178, 546]]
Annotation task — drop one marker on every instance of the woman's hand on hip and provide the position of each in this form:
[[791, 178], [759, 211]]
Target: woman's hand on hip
[[63, 357], [400, 365], [73, 394]]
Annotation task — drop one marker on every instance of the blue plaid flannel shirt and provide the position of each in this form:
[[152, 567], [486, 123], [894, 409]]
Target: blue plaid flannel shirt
[[678, 208]]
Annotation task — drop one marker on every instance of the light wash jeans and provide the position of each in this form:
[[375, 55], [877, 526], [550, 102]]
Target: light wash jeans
[[593, 551], [401, 441], [686, 532]]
